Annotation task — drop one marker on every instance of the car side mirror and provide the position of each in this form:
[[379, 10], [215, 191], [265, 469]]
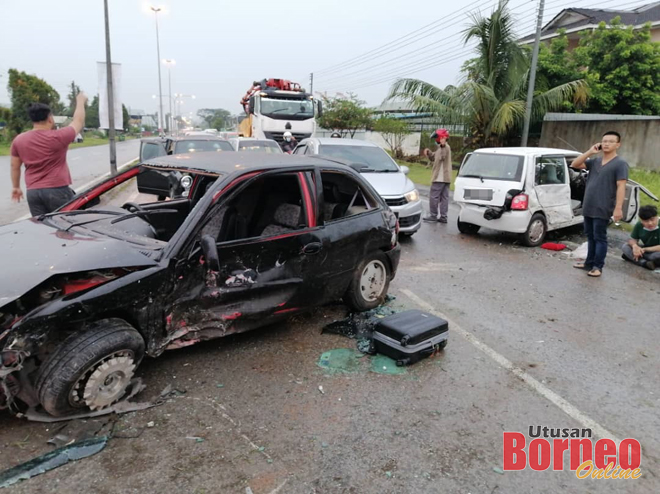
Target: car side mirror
[[210, 250], [320, 108], [405, 169], [251, 105]]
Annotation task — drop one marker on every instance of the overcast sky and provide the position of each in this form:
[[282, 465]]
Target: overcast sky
[[221, 47]]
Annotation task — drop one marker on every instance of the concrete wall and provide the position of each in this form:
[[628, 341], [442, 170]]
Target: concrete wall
[[410, 145], [640, 139]]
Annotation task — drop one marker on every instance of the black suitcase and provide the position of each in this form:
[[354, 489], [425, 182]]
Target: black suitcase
[[410, 336]]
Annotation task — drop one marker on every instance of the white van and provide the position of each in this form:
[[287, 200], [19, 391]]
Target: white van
[[529, 191]]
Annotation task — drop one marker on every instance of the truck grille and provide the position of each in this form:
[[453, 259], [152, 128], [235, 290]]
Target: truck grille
[[406, 221], [396, 201], [279, 136]]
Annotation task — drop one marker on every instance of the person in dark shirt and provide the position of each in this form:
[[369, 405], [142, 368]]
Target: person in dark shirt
[[643, 247], [289, 143], [603, 197]]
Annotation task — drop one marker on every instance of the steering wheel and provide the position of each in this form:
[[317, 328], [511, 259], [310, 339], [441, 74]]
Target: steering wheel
[[133, 207]]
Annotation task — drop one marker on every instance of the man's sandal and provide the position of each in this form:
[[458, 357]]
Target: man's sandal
[[595, 273], [579, 265]]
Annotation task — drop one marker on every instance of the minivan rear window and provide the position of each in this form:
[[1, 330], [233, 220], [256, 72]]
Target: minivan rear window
[[493, 167]]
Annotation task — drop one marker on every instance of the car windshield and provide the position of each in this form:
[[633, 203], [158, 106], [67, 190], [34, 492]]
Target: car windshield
[[287, 108], [200, 146], [259, 147], [493, 167], [373, 157]]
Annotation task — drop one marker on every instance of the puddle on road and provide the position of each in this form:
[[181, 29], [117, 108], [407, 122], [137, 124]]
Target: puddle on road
[[349, 361]]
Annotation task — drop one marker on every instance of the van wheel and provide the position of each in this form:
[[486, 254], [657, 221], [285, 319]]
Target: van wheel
[[370, 283], [90, 369], [467, 228], [536, 231]]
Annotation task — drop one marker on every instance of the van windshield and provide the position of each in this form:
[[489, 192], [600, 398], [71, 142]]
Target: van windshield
[[493, 167]]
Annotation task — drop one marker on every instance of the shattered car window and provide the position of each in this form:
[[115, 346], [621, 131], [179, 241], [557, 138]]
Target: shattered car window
[[343, 197]]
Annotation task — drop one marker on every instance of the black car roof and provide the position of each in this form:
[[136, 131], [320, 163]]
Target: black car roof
[[228, 162]]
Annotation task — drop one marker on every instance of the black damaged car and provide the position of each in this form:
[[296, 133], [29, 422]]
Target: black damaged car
[[116, 274]]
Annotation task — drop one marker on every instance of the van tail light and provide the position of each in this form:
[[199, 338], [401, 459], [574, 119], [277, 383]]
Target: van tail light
[[520, 202]]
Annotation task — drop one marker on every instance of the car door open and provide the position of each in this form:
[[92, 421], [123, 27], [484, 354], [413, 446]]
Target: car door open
[[553, 190]]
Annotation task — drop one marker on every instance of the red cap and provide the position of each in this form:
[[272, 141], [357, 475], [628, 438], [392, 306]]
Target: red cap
[[440, 133]]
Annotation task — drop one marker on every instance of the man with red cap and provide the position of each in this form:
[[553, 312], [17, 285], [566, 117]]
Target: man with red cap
[[440, 177]]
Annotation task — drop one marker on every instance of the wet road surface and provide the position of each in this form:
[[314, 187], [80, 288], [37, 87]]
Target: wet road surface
[[532, 342]]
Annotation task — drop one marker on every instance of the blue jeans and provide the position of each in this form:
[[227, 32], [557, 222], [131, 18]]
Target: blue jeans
[[596, 231]]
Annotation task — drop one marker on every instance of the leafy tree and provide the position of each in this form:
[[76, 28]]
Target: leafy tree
[[125, 117], [215, 118], [92, 115], [71, 98], [25, 89], [556, 66], [394, 131], [491, 99], [623, 69], [345, 114]]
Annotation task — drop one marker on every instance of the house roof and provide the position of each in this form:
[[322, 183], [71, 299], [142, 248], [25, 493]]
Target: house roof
[[575, 18]]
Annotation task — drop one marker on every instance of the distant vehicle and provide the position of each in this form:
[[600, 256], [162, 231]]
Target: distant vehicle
[[152, 147], [388, 178], [103, 284], [211, 131], [274, 106], [255, 145], [193, 133], [528, 191]]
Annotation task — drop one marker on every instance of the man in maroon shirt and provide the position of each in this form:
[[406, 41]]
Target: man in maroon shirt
[[43, 152]]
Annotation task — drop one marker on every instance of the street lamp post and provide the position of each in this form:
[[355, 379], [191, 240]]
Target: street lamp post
[[169, 62], [111, 94], [160, 85]]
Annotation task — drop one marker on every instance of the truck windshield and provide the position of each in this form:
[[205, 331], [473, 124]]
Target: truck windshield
[[493, 167], [287, 109]]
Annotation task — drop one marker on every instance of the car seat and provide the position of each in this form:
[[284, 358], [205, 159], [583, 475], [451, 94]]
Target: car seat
[[287, 218]]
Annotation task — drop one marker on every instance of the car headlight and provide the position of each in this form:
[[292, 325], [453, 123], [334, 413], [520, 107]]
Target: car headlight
[[412, 196]]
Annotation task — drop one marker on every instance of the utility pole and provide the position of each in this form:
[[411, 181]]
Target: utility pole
[[532, 74], [111, 94], [169, 62], [160, 84], [311, 83]]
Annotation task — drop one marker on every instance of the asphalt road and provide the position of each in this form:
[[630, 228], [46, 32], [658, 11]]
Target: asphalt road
[[86, 164], [532, 342]]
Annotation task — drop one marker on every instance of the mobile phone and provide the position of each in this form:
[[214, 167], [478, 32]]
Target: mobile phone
[[599, 147]]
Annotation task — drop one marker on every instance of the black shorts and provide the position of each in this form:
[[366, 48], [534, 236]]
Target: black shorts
[[42, 201]]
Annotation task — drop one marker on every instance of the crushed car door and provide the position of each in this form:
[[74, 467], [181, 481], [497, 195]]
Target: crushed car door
[[264, 233], [552, 189], [631, 202]]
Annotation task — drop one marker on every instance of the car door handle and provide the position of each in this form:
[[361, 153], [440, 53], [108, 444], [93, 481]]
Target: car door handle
[[312, 248]]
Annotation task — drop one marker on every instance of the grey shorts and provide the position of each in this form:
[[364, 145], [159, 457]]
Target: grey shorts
[[42, 201]]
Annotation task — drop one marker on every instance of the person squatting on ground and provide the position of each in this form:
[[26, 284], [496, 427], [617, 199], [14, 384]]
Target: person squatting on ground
[[603, 197], [643, 247], [440, 177], [43, 152]]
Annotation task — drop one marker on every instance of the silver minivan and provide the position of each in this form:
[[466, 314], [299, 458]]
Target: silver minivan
[[528, 191], [380, 170]]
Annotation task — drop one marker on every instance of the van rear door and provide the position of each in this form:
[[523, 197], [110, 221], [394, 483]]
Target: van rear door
[[631, 202], [485, 178]]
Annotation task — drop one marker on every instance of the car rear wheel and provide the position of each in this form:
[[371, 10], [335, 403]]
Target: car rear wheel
[[536, 231], [369, 284], [468, 228], [91, 369]]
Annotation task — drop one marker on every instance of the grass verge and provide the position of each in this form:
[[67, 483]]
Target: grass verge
[[88, 142]]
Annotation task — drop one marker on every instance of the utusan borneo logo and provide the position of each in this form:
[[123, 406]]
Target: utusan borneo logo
[[558, 449]]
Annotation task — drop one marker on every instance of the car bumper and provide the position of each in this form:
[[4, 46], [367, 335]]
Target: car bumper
[[410, 216], [394, 255], [510, 221]]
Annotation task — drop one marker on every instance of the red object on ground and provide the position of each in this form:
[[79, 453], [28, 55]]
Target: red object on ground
[[553, 246]]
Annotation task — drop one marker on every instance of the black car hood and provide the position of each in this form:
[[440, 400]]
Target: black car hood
[[32, 252]]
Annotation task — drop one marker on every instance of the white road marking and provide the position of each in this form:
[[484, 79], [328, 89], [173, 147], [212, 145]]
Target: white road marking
[[502, 361], [86, 186]]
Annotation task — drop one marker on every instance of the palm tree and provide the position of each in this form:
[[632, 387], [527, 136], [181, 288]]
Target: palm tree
[[491, 98]]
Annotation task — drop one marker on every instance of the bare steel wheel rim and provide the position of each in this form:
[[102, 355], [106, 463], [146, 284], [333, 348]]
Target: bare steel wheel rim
[[373, 280], [104, 382], [536, 230]]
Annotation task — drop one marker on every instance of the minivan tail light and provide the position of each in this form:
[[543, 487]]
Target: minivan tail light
[[520, 202]]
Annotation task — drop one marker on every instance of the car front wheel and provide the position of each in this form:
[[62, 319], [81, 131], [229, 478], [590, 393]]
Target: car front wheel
[[536, 231], [369, 284], [90, 369]]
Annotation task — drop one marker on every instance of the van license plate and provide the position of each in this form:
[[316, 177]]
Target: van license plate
[[478, 194]]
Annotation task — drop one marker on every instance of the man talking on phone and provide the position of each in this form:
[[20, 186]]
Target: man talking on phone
[[603, 197]]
